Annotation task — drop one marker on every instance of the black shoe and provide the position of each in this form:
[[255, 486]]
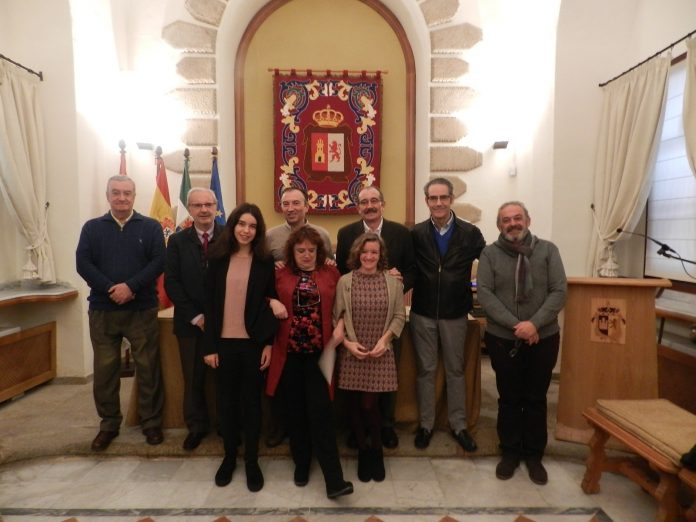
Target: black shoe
[[390, 439], [344, 488], [276, 437], [537, 471], [364, 465], [301, 476], [103, 439], [224, 472], [193, 440], [254, 476], [507, 466], [378, 472], [153, 436], [352, 440], [422, 439], [465, 440]]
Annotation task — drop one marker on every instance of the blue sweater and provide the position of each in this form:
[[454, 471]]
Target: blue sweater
[[107, 255]]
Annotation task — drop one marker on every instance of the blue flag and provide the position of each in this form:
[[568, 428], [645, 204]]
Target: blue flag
[[215, 187]]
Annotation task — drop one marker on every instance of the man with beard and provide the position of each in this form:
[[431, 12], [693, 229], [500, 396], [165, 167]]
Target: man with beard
[[400, 262], [522, 288]]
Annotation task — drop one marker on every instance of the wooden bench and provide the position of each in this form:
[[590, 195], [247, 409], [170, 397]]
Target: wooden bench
[[688, 478], [654, 472]]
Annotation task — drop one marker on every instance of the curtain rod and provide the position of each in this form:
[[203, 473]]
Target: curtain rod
[[648, 58], [32, 71], [327, 72]]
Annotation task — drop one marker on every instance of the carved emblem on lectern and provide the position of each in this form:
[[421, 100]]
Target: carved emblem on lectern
[[608, 323]]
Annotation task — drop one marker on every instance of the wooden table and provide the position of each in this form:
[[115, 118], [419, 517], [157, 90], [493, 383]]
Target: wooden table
[[406, 401]]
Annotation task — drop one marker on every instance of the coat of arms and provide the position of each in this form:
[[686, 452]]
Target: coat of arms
[[327, 137]]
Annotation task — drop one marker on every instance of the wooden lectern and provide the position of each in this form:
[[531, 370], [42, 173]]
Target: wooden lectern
[[609, 348]]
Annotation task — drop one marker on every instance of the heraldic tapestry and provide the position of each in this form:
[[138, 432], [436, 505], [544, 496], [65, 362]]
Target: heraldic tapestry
[[327, 137]]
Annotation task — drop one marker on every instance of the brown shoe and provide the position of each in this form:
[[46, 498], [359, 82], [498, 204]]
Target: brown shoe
[[153, 436], [103, 439]]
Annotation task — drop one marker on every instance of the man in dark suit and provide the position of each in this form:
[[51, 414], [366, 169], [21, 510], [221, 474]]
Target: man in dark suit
[[184, 281], [401, 262]]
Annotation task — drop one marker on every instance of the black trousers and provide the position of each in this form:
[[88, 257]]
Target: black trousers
[[194, 371], [522, 376], [240, 383], [310, 419]]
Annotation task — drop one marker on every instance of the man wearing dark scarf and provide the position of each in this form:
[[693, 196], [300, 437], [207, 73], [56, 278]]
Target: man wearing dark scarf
[[521, 286]]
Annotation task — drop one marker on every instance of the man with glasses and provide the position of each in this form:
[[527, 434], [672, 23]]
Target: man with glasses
[[184, 276], [401, 264], [445, 248], [521, 286]]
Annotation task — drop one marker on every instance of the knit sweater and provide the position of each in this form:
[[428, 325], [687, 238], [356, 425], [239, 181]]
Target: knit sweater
[[495, 282], [107, 255]]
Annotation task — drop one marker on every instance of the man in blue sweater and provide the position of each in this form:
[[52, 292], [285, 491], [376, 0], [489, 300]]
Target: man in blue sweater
[[445, 248], [120, 255]]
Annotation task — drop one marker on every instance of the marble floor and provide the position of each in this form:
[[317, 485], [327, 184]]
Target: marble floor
[[110, 489]]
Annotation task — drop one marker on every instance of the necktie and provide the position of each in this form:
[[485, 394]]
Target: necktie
[[205, 244]]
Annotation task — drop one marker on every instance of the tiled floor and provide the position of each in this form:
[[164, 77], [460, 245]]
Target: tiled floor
[[416, 489]]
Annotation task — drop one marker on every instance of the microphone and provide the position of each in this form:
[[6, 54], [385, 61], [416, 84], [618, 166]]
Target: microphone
[[664, 247]]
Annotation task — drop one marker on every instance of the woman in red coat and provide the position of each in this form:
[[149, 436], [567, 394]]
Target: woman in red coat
[[306, 287]]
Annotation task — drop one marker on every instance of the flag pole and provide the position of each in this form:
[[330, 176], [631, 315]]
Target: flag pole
[[122, 166]]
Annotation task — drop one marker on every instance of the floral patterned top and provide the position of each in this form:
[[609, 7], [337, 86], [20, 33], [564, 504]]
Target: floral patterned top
[[305, 329]]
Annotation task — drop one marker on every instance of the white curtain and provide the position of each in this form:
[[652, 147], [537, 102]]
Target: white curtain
[[23, 165], [689, 114], [627, 140]]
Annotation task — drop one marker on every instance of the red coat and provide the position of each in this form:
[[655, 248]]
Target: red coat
[[326, 278]]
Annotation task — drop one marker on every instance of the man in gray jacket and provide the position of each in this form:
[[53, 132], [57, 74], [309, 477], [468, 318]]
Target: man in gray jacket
[[522, 288]]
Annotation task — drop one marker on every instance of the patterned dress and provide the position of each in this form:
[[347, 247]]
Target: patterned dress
[[369, 307]]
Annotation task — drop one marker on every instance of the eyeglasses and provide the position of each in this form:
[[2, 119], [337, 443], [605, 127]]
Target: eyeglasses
[[199, 206], [435, 199], [374, 201]]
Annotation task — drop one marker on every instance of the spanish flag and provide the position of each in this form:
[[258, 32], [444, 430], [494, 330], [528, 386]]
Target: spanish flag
[[161, 210]]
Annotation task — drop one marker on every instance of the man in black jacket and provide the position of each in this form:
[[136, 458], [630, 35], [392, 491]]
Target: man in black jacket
[[445, 247], [184, 281], [401, 264]]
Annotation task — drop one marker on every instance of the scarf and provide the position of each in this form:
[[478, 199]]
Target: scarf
[[523, 250]]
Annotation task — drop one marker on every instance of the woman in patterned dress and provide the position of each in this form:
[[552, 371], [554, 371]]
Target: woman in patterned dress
[[306, 289], [371, 304]]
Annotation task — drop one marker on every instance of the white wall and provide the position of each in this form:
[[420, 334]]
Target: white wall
[[513, 69], [38, 34], [596, 41]]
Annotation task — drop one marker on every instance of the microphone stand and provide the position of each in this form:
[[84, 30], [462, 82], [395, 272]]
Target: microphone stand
[[664, 251]]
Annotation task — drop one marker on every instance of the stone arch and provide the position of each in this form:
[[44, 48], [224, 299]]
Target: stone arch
[[196, 40]]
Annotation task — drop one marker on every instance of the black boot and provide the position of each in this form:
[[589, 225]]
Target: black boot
[[364, 465], [378, 472]]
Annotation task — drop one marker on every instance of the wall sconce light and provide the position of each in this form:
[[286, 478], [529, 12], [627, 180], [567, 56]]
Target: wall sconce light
[[509, 155]]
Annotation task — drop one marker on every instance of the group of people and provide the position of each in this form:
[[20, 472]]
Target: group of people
[[275, 313]]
